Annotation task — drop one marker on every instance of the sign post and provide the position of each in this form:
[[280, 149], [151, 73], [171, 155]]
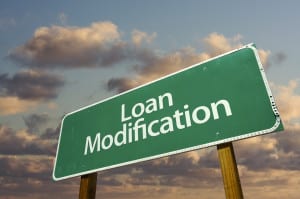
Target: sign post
[[88, 184], [231, 179], [221, 100]]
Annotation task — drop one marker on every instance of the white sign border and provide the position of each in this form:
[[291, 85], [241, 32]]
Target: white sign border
[[252, 134]]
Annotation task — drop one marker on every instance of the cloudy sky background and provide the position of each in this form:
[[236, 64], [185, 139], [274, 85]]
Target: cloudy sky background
[[57, 57]]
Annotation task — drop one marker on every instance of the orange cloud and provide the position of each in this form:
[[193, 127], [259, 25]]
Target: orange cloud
[[161, 65], [14, 105], [71, 46], [288, 101], [138, 37]]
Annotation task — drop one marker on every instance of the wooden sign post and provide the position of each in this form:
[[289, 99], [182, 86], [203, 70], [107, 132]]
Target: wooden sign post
[[231, 179], [88, 185]]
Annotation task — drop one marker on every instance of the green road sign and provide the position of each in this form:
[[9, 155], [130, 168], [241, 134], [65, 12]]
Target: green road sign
[[223, 99]]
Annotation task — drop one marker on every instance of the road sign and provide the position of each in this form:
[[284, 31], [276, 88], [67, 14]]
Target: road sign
[[223, 99]]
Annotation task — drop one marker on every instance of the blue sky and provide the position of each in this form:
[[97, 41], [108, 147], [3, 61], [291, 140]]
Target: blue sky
[[48, 67]]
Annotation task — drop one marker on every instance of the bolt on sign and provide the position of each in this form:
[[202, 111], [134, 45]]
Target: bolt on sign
[[223, 99]]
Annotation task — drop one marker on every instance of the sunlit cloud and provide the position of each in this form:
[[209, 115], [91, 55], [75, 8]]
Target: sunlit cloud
[[138, 37], [288, 101], [277, 150], [27, 89], [264, 57], [162, 64], [217, 44], [71, 46], [14, 105]]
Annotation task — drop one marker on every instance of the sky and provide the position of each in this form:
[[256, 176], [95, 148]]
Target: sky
[[58, 56]]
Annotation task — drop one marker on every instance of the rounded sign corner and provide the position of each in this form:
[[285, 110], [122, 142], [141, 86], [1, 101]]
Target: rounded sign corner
[[278, 126], [54, 177], [252, 47], [65, 117]]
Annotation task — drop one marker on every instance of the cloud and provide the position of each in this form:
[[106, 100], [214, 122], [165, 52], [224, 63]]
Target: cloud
[[101, 45], [51, 133], [31, 85], [154, 65], [217, 44], [271, 157], [278, 182], [288, 144], [260, 159], [277, 150], [24, 143], [29, 176], [22, 166], [71, 47], [26, 89], [181, 170], [264, 57], [138, 37], [35, 121], [273, 59], [157, 67], [14, 105], [279, 57], [258, 153], [288, 101]]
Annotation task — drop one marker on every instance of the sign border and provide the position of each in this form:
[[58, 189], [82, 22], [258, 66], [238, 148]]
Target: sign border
[[239, 137]]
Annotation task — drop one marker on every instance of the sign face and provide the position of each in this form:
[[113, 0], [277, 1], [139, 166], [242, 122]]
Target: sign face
[[223, 99]]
